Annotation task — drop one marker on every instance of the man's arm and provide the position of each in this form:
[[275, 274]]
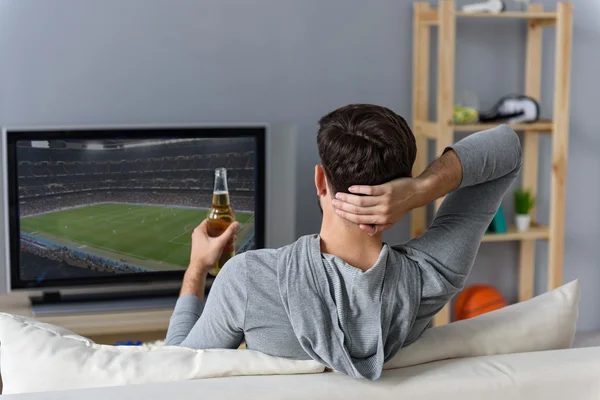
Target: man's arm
[[490, 162], [188, 309], [482, 167], [218, 322]]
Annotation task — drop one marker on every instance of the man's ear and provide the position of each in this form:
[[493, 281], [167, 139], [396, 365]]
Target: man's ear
[[320, 181]]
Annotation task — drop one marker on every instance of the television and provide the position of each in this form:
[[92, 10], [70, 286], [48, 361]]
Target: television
[[104, 207]]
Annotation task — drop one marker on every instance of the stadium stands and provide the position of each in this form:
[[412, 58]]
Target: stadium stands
[[175, 174], [36, 253]]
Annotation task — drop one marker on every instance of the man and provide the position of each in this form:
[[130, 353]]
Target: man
[[343, 297]]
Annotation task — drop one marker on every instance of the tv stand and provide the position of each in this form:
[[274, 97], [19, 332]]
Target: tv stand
[[55, 302], [131, 324]]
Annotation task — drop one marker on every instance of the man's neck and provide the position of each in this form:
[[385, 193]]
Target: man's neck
[[349, 243]]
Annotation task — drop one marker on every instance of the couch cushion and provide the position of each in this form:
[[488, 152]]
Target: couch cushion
[[546, 322], [36, 357], [562, 374]]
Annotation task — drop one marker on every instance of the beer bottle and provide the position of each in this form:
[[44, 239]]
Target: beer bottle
[[220, 217]]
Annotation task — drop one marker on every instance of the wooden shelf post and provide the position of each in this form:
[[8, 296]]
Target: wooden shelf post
[[421, 49], [445, 99], [533, 75], [560, 142]]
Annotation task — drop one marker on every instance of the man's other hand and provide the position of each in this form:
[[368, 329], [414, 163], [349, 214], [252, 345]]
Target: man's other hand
[[382, 206], [379, 207], [206, 250]]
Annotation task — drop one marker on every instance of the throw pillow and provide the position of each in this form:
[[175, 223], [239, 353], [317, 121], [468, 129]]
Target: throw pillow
[[545, 322]]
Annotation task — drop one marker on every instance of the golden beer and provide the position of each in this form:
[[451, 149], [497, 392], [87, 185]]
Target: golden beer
[[220, 217]]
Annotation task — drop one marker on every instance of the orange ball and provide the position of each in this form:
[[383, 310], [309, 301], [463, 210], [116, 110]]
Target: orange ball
[[476, 300]]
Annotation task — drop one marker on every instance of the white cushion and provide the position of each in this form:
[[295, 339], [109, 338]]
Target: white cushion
[[542, 375], [37, 357], [546, 322]]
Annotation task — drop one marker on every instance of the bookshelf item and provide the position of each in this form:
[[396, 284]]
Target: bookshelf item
[[498, 222], [524, 203], [441, 131], [487, 6]]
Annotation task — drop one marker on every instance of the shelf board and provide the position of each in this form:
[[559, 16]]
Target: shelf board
[[430, 129], [543, 18], [545, 15], [535, 232], [542, 126]]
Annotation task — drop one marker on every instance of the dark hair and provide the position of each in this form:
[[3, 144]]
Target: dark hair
[[364, 144]]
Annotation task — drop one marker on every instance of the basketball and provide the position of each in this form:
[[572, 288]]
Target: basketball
[[476, 300]]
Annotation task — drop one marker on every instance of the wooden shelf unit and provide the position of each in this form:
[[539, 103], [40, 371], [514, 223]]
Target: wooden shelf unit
[[442, 130]]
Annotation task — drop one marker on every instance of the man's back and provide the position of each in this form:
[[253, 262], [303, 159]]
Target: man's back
[[296, 302], [247, 306], [273, 312]]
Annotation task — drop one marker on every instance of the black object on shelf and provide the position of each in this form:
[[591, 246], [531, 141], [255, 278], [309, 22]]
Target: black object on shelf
[[513, 109]]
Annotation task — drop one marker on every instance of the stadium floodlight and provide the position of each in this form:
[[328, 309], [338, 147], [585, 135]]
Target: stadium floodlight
[[41, 144], [160, 142]]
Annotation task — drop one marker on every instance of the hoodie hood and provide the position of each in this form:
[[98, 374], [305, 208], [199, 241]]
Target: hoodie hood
[[315, 294]]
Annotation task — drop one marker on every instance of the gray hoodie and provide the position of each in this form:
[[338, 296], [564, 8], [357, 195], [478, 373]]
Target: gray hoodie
[[299, 303]]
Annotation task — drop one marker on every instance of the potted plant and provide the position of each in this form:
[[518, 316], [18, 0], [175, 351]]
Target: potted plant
[[524, 202]]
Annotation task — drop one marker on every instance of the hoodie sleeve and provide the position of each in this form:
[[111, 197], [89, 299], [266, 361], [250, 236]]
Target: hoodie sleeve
[[445, 253], [218, 322]]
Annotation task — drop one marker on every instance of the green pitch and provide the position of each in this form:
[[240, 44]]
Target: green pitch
[[156, 237]]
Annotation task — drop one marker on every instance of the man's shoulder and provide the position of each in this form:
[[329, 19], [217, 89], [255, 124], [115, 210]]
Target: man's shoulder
[[260, 254], [266, 257]]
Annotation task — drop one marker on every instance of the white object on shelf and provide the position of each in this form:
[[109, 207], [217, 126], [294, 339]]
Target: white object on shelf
[[491, 6], [523, 222]]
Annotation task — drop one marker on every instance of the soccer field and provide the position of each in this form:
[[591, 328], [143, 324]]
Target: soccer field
[[152, 236]]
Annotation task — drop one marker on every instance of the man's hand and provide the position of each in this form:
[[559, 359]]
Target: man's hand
[[206, 251], [386, 204], [383, 205]]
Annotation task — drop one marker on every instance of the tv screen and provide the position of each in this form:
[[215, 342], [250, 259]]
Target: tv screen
[[119, 205]]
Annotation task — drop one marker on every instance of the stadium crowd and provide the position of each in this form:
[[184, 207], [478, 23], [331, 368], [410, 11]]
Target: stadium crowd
[[233, 161], [36, 268], [71, 151], [238, 181], [75, 258], [174, 174]]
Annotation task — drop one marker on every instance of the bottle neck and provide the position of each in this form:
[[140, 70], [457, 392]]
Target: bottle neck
[[220, 181]]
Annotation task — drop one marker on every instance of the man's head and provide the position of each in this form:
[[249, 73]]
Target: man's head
[[362, 144]]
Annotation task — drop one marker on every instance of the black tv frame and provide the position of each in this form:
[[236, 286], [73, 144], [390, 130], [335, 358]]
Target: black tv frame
[[84, 133]]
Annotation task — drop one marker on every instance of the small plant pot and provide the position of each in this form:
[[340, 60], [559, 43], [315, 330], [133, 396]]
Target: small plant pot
[[523, 222]]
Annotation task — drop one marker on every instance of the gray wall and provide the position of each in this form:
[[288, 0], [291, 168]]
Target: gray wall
[[159, 61]]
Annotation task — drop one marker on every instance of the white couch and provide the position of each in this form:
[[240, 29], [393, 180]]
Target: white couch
[[560, 374], [519, 352]]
